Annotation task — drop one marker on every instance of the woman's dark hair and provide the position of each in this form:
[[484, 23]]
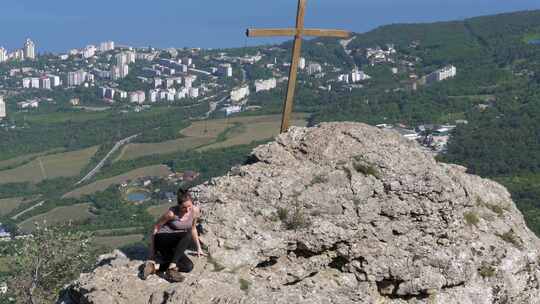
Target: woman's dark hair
[[183, 195]]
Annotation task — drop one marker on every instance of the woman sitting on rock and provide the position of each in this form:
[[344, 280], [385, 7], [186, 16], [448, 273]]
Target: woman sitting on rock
[[173, 233]]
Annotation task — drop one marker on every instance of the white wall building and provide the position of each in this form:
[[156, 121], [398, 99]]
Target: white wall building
[[188, 81], [3, 55], [265, 85], [194, 92], [442, 74], [232, 109], [225, 70], [119, 71], [302, 63], [76, 78], [45, 83], [35, 83], [106, 46], [3, 113], [357, 76], [89, 51], [137, 97], [314, 68], [29, 49], [240, 93]]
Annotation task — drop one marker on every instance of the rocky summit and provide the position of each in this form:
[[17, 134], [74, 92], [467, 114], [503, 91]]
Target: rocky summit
[[343, 213]]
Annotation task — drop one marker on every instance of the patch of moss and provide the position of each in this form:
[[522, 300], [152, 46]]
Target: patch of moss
[[217, 266], [471, 218], [487, 271], [244, 284], [282, 214], [319, 179], [512, 238]]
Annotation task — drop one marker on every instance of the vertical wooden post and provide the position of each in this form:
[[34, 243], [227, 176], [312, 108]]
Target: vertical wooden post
[[288, 106]]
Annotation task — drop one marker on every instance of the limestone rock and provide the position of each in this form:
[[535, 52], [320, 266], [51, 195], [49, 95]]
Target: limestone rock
[[344, 213]]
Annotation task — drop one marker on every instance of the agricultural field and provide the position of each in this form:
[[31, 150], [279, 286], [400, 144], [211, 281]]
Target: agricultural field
[[50, 166], [17, 161], [204, 135], [112, 242], [9, 204], [100, 185], [75, 213], [136, 150], [252, 129]]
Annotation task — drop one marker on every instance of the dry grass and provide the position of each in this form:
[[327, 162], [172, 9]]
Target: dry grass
[[100, 185], [51, 166], [75, 213], [112, 242]]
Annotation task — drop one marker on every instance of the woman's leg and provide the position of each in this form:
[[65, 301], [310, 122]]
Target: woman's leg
[[165, 244], [183, 263]]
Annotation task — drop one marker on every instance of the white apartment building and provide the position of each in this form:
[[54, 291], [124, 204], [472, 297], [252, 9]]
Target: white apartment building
[[106, 46], [137, 97], [119, 71], [225, 70], [188, 81], [76, 78], [194, 92], [89, 51], [29, 49], [265, 85], [34, 83], [314, 68], [442, 74], [3, 55], [302, 63], [357, 76], [45, 83], [2, 107], [240, 93]]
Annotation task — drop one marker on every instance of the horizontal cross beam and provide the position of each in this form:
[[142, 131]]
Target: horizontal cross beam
[[293, 32]]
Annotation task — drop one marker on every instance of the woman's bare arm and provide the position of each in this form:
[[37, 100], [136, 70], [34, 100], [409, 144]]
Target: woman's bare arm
[[194, 233]]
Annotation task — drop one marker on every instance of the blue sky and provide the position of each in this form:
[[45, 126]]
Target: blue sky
[[58, 25]]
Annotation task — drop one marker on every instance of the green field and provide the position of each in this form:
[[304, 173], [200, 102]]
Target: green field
[[58, 215], [206, 134], [133, 151], [251, 128], [100, 185], [112, 242], [50, 166]]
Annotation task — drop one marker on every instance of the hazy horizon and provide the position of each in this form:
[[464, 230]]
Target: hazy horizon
[[61, 25]]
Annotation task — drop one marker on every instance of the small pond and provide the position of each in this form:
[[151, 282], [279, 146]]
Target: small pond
[[137, 196], [535, 41]]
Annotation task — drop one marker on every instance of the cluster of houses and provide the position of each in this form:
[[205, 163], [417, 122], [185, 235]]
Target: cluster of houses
[[433, 137]]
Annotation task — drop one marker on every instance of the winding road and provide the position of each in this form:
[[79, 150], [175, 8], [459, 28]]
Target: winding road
[[117, 146]]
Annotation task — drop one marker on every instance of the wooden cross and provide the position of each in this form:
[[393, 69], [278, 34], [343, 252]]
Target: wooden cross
[[298, 33]]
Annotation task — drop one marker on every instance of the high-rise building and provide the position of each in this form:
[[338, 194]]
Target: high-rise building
[[76, 78], [3, 55], [89, 51], [2, 107], [106, 46], [302, 63], [45, 83], [29, 49], [119, 71]]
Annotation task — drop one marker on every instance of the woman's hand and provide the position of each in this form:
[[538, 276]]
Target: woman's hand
[[200, 253]]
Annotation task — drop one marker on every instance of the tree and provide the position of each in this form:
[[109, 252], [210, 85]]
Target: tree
[[47, 260]]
